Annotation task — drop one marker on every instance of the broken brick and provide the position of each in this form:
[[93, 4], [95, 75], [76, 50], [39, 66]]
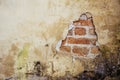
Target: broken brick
[[83, 23], [65, 48], [76, 23], [80, 50], [78, 40], [95, 50], [90, 23], [80, 31]]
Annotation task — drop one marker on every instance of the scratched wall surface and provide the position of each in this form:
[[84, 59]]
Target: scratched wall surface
[[30, 29]]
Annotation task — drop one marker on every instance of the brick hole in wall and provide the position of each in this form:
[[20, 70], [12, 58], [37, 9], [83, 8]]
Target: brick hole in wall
[[81, 39]]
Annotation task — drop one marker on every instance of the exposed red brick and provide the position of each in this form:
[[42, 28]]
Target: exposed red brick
[[92, 31], [71, 40], [65, 48], [80, 50], [82, 41], [74, 42], [83, 22], [78, 40], [95, 50], [70, 32], [76, 23], [63, 42], [80, 31], [90, 22]]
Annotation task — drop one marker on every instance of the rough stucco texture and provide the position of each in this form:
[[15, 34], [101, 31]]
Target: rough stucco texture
[[40, 24]]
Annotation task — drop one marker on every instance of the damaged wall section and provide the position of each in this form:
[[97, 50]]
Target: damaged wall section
[[81, 39]]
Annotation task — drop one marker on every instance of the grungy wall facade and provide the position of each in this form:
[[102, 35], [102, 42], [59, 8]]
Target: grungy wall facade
[[30, 29]]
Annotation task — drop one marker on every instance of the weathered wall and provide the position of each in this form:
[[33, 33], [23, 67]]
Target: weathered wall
[[30, 29]]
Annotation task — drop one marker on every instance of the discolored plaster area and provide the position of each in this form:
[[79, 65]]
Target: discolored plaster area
[[33, 28]]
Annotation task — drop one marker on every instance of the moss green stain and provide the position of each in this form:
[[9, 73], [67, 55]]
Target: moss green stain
[[24, 52], [22, 56], [22, 61]]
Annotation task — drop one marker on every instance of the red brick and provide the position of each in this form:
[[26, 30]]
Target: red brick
[[71, 40], [77, 22], [78, 40], [80, 31], [65, 48], [80, 50], [63, 42], [70, 32], [92, 31], [95, 50], [83, 22], [90, 23]]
